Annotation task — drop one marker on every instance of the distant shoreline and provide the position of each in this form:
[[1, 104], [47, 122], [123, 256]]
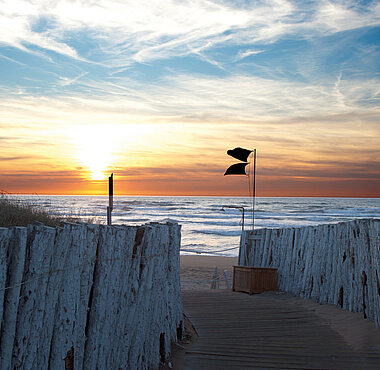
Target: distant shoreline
[[196, 196]]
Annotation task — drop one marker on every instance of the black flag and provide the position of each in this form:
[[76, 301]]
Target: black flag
[[236, 169], [240, 154]]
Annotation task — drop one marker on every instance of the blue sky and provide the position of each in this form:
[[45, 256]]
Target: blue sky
[[189, 79]]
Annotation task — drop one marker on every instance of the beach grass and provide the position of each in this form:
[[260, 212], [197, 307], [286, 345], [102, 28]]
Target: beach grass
[[14, 212]]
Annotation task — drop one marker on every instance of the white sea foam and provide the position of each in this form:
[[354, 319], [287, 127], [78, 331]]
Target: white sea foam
[[205, 228]]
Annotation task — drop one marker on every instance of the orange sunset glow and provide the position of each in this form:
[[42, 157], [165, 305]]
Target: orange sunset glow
[[113, 91]]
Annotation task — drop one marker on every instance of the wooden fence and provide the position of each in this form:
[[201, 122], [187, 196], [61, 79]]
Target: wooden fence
[[336, 264], [84, 296]]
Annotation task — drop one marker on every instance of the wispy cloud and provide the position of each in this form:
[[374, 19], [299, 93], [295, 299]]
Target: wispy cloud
[[198, 98], [65, 81], [246, 53], [338, 16], [297, 78], [12, 60], [129, 31]]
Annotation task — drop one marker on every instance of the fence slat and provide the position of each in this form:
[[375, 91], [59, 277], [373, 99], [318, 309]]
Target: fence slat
[[32, 304], [17, 248], [69, 337], [337, 264], [109, 297], [5, 235], [87, 296]]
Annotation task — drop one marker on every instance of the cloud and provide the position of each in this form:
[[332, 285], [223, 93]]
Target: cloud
[[65, 81], [16, 20], [192, 98], [298, 80], [12, 158], [338, 16], [128, 31], [246, 53], [12, 60]]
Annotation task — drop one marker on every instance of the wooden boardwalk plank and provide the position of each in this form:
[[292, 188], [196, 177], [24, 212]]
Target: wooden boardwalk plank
[[238, 331]]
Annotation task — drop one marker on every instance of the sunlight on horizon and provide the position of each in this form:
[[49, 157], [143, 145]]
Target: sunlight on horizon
[[95, 146], [99, 146]]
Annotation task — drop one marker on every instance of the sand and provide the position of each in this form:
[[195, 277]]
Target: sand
[[197, 271]]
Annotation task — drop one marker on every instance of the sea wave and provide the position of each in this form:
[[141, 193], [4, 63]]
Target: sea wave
[[218, 232], [204, 225], [132, 220]]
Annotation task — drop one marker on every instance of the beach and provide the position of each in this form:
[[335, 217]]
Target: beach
[[197, 271]]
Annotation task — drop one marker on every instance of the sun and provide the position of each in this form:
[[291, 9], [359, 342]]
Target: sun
[[99, 146], [95, 148]]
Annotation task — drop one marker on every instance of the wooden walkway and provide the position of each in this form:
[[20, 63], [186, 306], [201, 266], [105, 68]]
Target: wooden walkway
[[238, 331]]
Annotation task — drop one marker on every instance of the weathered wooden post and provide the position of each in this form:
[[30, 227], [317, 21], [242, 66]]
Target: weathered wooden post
[[228, 284], [110, 200], [215, 280]]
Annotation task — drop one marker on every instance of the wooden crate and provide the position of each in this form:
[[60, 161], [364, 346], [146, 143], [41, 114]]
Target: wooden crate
[[254, 279]]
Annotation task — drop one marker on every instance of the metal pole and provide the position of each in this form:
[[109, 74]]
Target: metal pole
[[242, 219], [254, 189], [241, 209]]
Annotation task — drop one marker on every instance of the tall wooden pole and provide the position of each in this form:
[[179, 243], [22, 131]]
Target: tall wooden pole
[[110, 200], [110, 191]]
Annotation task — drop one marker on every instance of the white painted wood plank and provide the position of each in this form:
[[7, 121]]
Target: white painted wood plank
[[374, 239], [245, 246], [308, 255], [173, 281], [327, 263], [33, 296], [327, 278], [17, 249], [71, 315], [54, 286], [140, 281], [109, 296], [5, 235]]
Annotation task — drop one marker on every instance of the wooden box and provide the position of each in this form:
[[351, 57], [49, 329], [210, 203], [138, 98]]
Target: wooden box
[[254, 279]]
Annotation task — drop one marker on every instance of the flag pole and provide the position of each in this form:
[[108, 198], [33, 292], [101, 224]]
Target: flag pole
[[239, 169], [254, 189]]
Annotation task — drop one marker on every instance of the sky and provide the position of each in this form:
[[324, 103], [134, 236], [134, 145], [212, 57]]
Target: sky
[[156, 92]]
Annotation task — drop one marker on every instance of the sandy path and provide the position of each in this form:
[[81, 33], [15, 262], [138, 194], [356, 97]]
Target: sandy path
[[197, 271]]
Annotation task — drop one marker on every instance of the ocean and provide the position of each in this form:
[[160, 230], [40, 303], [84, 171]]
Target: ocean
[[211, 225]]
